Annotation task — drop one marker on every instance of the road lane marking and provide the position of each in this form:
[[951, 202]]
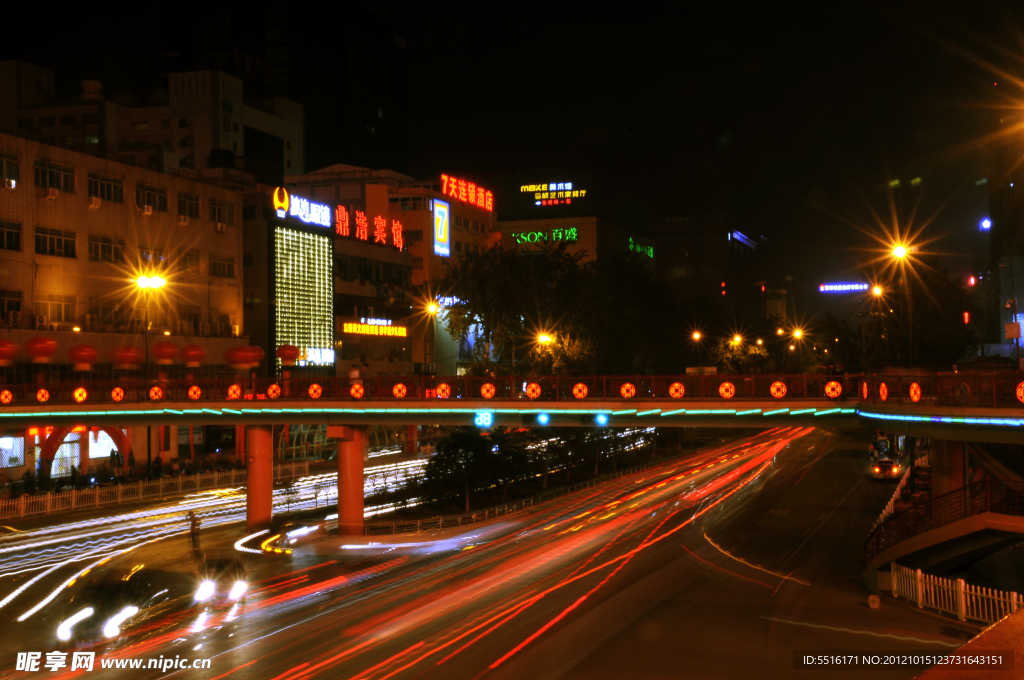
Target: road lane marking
[[753, 566], [863, 632], [822, 522]]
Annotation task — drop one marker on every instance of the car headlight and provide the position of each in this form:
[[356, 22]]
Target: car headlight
[[64, 629], [877, 470], [205, 590], [112, 628], [238, 590]]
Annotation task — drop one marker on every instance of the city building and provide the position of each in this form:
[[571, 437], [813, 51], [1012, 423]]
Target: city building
[[201, 120], [590, 214], [76, 234], [704, 257]]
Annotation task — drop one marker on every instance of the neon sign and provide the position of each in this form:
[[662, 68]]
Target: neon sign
[[343, 228], [375, 322], [545, 236], [642, 249], [467, 192], [555, 193], [843, 287], [301, 208], [372, 329], [442, 234]]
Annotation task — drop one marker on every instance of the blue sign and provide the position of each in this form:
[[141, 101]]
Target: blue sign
[[484, 419], [442, 230]]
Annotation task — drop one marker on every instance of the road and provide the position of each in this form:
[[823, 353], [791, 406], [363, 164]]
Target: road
[[718, 566]]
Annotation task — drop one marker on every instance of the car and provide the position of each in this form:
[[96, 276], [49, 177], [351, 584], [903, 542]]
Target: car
[[886, 468], [222, 580]]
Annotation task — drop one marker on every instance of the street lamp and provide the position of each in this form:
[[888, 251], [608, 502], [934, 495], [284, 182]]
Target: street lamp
[[899, 252], [877, 291], [901, 255], [737, 339], [798, 333], [544, 339], [148, 285], [432, 310], [697, 335]]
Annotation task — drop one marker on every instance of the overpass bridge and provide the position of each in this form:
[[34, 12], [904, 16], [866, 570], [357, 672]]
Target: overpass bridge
[[964, 407]]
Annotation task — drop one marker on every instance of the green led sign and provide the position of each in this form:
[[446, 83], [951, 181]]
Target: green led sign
[[643, 250], [550, 236]]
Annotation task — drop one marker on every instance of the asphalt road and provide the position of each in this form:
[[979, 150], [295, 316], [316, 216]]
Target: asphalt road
[[715, 567]]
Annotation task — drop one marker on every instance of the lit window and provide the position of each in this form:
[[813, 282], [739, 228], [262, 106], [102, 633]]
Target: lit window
[[9, 167]]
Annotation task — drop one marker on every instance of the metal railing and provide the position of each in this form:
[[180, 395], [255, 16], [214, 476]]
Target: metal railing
[[413, 526], [981, 390], [115, 494], [962, 600], [890, 507], [1006, 498]]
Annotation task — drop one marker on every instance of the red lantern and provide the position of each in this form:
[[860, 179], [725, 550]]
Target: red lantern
[[287, 354], [127, 356], [165, 353], [244, 357], [8, 352], [41, 349], [192, 355], [83, 357]]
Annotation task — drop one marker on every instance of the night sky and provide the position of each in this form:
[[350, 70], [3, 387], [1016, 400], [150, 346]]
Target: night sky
[[792, 119]]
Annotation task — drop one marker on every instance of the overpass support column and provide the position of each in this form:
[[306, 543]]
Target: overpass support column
[[947, 462], [350, 478], [411, 432], [259, 447]]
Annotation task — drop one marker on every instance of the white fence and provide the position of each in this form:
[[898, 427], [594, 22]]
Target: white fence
[[958, 598], [94, 497], [891, 505]]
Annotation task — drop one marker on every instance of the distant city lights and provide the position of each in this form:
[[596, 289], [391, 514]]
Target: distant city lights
[[843, 287]]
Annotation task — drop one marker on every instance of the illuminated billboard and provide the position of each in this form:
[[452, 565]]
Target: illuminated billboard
[[843, 287], [304, 290], [467, 192], [301, 209], [553, 193], [442, 232]]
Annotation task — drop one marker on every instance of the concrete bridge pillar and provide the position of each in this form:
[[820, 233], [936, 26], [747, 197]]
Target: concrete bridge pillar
[[259, 449], [411, 432], [350, 478], [947, 462]]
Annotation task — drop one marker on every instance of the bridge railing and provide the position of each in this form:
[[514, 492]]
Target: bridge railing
[[958, 598], [1006, 498], [984, 390], [116, 494]]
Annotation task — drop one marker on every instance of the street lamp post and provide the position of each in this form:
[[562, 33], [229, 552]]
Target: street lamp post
[[432, 309], [900, 253], [696, 338], [148, 284]]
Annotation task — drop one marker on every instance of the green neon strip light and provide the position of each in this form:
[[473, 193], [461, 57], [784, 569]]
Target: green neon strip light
[[193, 411], [778, 410], [712, 411], [171, 410], [228, 410], [803, 410], [623, 413], [647, 413], [848, 410], [672, 413], [831, 410], [747, 413]]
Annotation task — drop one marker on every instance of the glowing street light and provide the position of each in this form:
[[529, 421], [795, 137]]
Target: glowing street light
[[877, 291], [899, 252], [149, 285], [760, 341], [544, 339], [779, 331], [153, 282], [432, 308], [696, 336], [798, 334], [737, 339]]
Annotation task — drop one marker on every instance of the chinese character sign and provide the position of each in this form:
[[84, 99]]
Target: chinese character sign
[[362, 229], [341, 221], [467, 192], [380, 231], [396, 234], [554, 193]]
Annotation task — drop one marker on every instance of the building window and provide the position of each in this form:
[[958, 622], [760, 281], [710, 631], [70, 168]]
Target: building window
[[12, 451], [189, 314], [247, 258], [183, 123], [188, 205], [55, 175], [165, 124], [156, 197], [227, 125], [106, 311], [106, 249], [9, 166], [10, 236], [10, 301], [190, 261], [90, 118], [55, 242], [47, 121], [24, 123], [151, 255], [248, 302], [222, 212], [57, 308], [106, 187], [69, 140], [185, 142], [226, 105], [68, 120], [90, 139], [139, 125], [223, 267]]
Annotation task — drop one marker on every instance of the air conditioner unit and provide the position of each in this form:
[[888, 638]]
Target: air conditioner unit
[[220, 329], [236, 330], [204, 329], [183, 327], [52, 327], [13, 319], [90, 322], [183, 220], [52, 192], [41, 322], [147, 210], [10, 183], [221, 227], [95, 202]]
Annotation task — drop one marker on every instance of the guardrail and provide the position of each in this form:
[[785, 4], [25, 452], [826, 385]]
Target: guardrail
[[1006, 498], [413, 526], [115, 494], [958, 598], [940, 389], [891, 505]]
